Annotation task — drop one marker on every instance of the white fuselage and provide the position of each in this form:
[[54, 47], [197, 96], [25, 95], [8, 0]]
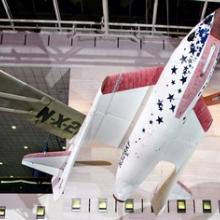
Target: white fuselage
[[166, 109]]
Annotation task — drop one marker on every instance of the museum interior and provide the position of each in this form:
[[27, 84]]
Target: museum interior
[[66, 48]]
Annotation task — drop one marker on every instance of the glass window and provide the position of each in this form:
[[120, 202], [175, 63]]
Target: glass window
[[162, 13], [127, 11], [2, 11], [212, 6], [32, 9], [185, 12], [84, 10]]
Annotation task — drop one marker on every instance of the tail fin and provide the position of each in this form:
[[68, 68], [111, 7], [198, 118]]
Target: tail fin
[[58, 164], [212, 99], [161, 192]]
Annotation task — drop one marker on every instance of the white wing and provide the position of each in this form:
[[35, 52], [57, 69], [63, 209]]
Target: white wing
[[118, 104]]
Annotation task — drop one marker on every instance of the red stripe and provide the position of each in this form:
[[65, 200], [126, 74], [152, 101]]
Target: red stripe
[[48, 154], [198, 80], [215, 31], [131, 80], [203, 114]]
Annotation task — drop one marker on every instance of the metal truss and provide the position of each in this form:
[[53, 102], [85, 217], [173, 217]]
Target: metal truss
[[104, 27]]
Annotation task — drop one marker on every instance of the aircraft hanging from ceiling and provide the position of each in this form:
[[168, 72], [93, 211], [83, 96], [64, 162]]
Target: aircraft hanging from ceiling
[[155, 114]]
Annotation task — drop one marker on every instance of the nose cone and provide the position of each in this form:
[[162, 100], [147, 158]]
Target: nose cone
[[215, 32]]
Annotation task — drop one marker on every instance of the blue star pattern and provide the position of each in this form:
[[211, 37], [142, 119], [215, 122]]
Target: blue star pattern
[[181, 70], [178, 72], [203, 34]]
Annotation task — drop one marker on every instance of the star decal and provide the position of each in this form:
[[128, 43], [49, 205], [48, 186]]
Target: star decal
[[126, 147], [174, 69], [185, 70], [170, 98], [203, 34], [183, 59], [190, 60], [159, 120], [183, 79], [172, 108], [192, 49], [173, 82], [199, 51], [200, 45], [160, 104]]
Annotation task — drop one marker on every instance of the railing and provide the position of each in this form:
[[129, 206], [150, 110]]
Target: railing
[[83, 27]]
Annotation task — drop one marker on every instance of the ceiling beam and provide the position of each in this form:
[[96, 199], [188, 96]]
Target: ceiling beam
[[105, 16], [168, 14], [216, 1], [154, 19], [204, 10], [146, 13], [57, 12], [8, 12]]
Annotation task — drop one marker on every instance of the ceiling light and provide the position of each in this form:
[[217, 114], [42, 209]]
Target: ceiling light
[[207, 206], [13, 127], [1, 163], [76, 203], [25, 147], [2, 212], [129, 205], [11, 176], [102, 205], [40, 212], [181, 206]]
